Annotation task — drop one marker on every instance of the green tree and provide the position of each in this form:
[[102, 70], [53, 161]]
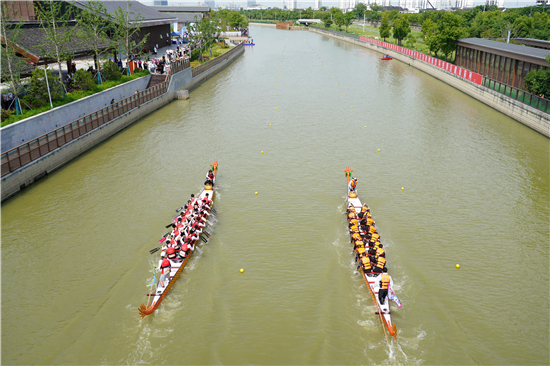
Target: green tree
[[538, 82], [348, 19], [54, 17], [410, 41], [401, 28], [339, 20], [93, 29], [83, 80], [359, 10], [375, 13], [450, 31], [431, 36], [11, 62], [38, 89], [328, 23], [127, 28], [385, 26]]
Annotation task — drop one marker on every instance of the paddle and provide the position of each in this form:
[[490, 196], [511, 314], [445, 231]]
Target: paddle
[[199, 249], [154, 250], [203, 239]]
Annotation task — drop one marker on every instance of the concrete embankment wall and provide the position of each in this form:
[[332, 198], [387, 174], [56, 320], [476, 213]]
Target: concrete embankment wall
[[30, 128], [264, 24], [28, 174], [529, 116]]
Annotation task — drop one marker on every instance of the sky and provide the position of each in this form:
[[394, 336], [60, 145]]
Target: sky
[[306, 4]]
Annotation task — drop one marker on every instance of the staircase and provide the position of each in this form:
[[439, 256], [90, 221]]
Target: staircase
[[156, 79]]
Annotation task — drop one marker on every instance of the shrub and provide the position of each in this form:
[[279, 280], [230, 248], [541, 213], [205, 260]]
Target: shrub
[[5, 114], [538, 82], [38, 89], [194, 55], [83, 80], [110, 70]]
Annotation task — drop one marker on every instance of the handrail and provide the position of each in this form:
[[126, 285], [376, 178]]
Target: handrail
[[27, 152], [522, 96]]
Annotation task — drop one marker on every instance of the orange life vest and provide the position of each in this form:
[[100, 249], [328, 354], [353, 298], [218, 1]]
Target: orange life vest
[[361, 250], [353, 184], [372, 229], [356, 236], [380, 252]]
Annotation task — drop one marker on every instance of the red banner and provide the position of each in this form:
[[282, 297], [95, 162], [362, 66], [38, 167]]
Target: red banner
[[458, 71]]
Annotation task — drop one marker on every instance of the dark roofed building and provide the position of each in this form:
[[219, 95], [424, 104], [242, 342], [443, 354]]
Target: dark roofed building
[[182, 9], [504, 62], [538, 43], [154, 23]]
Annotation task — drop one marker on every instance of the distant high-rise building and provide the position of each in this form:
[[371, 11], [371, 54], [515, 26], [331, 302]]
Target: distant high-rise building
[[161, 2], [317, 4], [289, 4], [210, 3], [249, 3]]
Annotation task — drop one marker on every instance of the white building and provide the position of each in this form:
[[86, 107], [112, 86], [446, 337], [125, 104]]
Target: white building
[[317, 4], [289, 4]]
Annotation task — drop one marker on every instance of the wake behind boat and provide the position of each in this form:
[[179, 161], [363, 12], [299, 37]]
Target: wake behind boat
[[370, 255], [180, 244]]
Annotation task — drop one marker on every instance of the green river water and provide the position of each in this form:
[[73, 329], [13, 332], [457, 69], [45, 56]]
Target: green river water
[[75, 260]]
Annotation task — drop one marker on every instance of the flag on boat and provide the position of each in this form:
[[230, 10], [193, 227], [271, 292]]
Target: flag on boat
[[154, 281], [393, 297]]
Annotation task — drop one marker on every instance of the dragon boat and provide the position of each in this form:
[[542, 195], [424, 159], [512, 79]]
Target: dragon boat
[[159, 292], [372, 279]]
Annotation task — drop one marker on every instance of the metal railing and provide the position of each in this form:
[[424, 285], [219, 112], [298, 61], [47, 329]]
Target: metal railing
[[207, 65], [518, 94], [36, 148]]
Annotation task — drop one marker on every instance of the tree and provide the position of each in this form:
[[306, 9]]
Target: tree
[[374, 14], [385, 26], [450, 29], [328, 23], [54, 17], [431, 37], [38, 90], [401, 28], [127, 27], [538, 82], [339, 20], [11, 33], [93, 28], [359, 10], [410, 41], [348, 19]]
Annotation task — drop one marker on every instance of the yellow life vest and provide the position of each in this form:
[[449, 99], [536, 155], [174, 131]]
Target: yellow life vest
[[356, 236], [364, 208], [381, 262], [366, 262], [375, 236], [372, 229], [369, 221], [354, 222], [380, 252], [385, 279], [361, 250]]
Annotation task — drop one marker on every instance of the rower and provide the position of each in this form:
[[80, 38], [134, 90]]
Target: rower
[[380, 265], [365, 263], [364, 210], [380, 252], [171, 253], [206, 200], [384, 283], [210, 175]]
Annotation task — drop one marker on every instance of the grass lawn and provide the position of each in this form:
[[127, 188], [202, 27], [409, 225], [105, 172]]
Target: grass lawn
[[216, 51], [71, 97], [372, 32]]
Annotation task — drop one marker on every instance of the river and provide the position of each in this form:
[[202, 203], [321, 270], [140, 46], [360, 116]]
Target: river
[[75, 260]]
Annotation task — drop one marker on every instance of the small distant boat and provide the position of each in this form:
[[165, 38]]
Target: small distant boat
[[387, 57], [250, 44]]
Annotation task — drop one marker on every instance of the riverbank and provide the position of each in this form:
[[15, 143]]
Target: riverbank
[[523, 113], [33, 161], [272, 25]]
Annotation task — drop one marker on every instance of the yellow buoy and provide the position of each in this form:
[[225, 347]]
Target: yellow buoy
[[366, 127], [457, 266], [402, 188], [342, 94], [352, 107], [242, 270], [262, 152], [278, 77], [275, 93], [335, 84], [256, 193], [275, 84], [270, 124], [275, 107]]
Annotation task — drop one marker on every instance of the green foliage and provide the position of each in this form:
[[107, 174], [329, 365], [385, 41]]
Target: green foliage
[[450, 30], [5, 114], [359, 10], [385, 26], [431, 39], [38, 89], [401, 28], [83, 80], [54, 17], [538, 82], [410, 41], [110, 70], [127, 26], [93, 28], [339, 20], [328, 23], [194, 55], [348, 19]]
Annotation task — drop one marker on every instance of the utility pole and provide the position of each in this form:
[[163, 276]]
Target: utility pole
[[363, 22]]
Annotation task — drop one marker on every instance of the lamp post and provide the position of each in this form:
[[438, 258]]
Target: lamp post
[[48, 85]]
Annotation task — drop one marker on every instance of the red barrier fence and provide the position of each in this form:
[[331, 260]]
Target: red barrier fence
[[456, 70]]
